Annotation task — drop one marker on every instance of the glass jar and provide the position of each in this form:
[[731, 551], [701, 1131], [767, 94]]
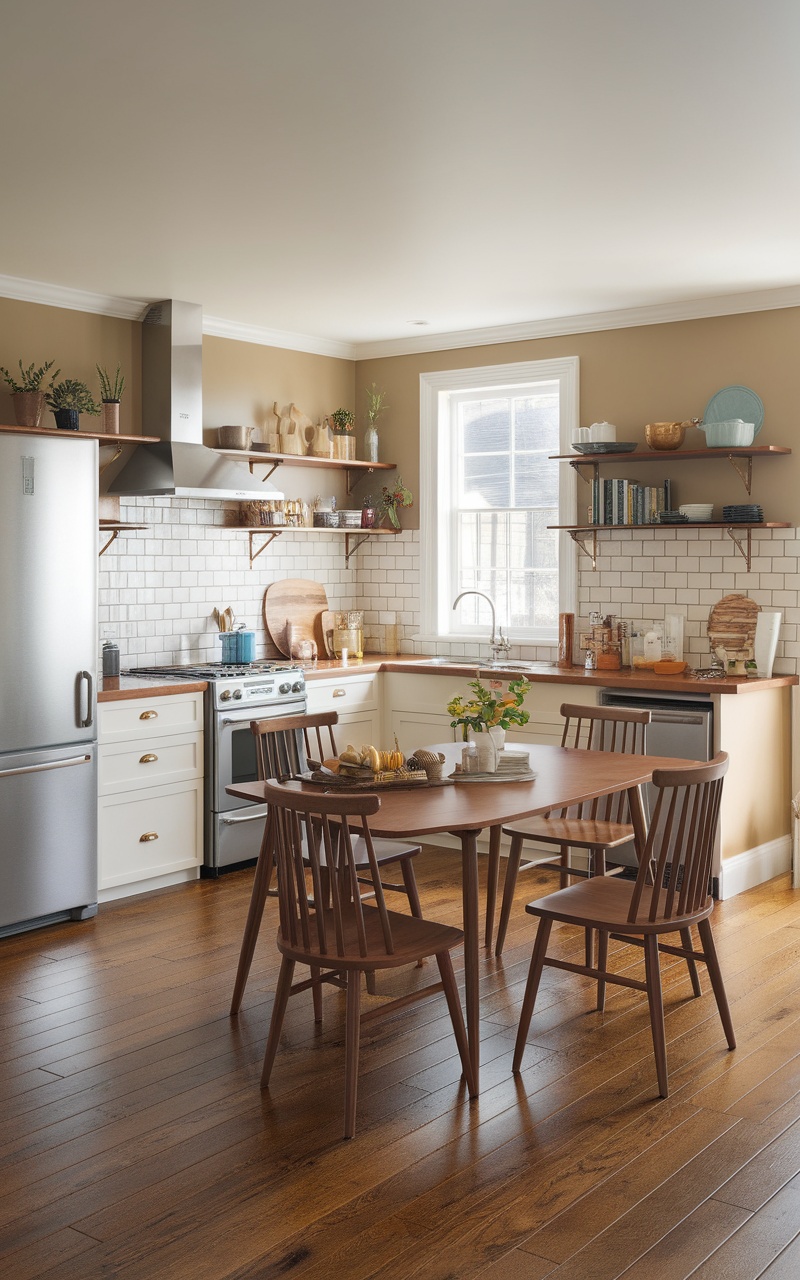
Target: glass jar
[[371, 443]]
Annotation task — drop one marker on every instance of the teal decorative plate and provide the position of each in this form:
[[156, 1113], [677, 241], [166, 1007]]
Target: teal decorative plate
[[735, 402]]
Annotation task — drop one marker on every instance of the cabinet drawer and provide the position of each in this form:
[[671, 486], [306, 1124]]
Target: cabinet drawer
[[347, 694], [150, 762], [150, 833], [134, 718]]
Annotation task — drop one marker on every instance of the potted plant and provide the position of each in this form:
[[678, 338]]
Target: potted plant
[[376, 405], [68, 400], [391, 499], [110, 395], [342, 422], [487, 715], [27, 393]]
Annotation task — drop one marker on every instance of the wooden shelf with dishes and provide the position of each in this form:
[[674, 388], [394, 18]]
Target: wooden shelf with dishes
[[355, 467], [583, 534], [353, 538]]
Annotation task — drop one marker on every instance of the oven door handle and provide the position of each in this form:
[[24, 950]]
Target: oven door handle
[[246, 817]]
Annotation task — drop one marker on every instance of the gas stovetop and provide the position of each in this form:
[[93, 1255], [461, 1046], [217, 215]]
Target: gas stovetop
[[255, 684]]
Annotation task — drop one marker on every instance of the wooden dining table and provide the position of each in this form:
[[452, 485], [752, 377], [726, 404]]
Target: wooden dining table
[[564, 776]]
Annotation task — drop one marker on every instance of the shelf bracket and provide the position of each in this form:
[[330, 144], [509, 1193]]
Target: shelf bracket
[[268, 538], [352, 541], [354, 475], [271, 463], [579, 539], [114, 535], [117, 451], [594, 469], [745, 473], [745, 554]]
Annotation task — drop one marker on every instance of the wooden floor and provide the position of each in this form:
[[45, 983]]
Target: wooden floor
[[135, 1143]]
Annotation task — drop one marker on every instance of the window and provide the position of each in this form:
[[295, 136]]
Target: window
[[489, 492]]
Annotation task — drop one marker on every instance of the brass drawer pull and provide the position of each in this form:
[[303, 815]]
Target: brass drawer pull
[[340, 693], [149, 715], [148, 835], [148, 759]]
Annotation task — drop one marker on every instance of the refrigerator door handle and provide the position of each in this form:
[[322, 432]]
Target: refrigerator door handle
[[85, 682], [42, 768]]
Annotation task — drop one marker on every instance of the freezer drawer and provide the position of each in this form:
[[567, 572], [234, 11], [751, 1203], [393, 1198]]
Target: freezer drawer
[[48, 833]]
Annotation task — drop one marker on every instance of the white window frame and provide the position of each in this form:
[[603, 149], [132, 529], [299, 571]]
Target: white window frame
[[437, 619]]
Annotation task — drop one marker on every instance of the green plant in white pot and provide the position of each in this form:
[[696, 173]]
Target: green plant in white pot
[[111, 390], [27, 392], [68, 400]]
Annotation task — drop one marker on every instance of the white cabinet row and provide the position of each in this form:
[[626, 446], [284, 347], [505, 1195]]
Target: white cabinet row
[[150, 819]]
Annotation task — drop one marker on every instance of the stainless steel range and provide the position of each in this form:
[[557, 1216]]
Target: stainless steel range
[[235, 696]]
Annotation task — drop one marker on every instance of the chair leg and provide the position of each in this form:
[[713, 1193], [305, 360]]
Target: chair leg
[[352, 1034], [602, 964], [412, 893], [531, 988], [509, 885], [588, 948], [448, 977], [656, 1003], [258, 897], [717, 985], [491, 883], [691, 964], [282, 992], [316, 994]]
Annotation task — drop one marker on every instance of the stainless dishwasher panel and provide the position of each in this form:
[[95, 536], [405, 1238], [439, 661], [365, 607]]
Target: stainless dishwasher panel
[[681, 725]]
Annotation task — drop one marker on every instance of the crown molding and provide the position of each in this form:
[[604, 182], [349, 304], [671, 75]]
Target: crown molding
[[52, 295], [592, 322]]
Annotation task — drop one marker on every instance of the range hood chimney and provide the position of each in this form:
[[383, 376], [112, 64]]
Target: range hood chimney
[[172, 408]]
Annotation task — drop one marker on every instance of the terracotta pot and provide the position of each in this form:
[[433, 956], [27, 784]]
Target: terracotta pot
[[109, 420], [28, 408]]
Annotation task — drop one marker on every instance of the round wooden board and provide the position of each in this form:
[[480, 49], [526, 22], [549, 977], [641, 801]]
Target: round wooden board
[[300, 603], [732, 625]]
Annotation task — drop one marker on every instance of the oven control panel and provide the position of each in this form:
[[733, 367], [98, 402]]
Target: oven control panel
[[259, 690]]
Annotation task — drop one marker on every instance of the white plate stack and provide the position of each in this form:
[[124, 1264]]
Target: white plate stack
[[698, 512]]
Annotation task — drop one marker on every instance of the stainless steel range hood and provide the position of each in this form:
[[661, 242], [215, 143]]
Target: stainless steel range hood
[[172, 408]]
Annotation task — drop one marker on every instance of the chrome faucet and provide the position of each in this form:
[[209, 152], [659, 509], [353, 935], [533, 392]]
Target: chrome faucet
[[500, 647]]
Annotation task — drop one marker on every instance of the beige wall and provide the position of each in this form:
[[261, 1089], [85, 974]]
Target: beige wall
[[630, 377]]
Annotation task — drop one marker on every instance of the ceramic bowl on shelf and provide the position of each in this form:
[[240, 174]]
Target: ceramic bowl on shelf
[[734, 433], [666, 435]]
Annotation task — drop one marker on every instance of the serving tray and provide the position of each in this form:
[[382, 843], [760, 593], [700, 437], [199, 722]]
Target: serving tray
[[322, 777]]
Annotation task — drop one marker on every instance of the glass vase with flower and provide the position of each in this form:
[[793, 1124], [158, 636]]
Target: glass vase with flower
[[392, 498], [487, 716]]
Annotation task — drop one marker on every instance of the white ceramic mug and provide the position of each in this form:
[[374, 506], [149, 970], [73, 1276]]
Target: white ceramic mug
[[602, 431], [581, 435]]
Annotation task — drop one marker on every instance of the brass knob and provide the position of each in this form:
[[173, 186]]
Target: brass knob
[[148, 835], [340, 693], [149, 715], [148, 759]]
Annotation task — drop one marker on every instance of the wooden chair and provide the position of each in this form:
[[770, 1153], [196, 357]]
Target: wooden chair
[[347, 936], [284, 746], [670, 895], [598, 826]]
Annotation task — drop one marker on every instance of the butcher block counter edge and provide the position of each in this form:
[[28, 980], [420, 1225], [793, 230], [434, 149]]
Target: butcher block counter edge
[[646, 681], [118, 688]]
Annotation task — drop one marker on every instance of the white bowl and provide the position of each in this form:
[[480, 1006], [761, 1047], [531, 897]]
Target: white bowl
[[734, 433]]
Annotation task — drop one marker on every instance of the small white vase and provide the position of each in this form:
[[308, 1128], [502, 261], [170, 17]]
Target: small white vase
[[498, 735], [486, 749]]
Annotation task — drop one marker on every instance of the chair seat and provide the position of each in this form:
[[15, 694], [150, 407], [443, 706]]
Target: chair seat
[[604, 903], [386, 851], [581, 833], [413, 939]]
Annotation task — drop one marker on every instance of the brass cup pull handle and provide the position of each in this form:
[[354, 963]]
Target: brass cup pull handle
[[149, 715], [148, 759], [148, 835], [340, 693]]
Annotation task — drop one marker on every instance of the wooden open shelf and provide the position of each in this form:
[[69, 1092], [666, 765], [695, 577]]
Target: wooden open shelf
[[582, 534], [101, 436], [353, 538], [355, 467]]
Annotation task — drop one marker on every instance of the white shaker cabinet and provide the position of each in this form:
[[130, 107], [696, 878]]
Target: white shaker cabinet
[[150, 792], [356, 700]]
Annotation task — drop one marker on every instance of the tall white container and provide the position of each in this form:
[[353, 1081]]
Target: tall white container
[[768, 626]]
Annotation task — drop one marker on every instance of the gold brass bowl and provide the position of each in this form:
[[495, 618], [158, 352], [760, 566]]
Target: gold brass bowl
[[666, 435]]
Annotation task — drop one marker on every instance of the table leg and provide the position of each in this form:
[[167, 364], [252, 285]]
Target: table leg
[[637, 821], [469, 876]]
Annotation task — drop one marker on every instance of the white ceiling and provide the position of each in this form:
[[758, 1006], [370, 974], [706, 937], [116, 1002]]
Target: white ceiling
[[342, 169]]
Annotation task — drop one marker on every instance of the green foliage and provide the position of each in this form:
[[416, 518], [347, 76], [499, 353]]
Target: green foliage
[[376, 403], [110, 391], [486, 709], [391, 499], [71, 394], [31, 378], [342, 420]]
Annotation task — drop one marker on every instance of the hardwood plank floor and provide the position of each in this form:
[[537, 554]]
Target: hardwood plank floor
[[135, 1142]]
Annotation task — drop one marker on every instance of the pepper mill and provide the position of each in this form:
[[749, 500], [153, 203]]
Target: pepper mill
[[566, 635]]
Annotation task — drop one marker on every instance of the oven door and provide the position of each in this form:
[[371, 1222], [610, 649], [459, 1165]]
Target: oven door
[[235, 749]]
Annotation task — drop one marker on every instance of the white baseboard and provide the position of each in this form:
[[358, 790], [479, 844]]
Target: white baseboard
[[755, 866], [147, 886]]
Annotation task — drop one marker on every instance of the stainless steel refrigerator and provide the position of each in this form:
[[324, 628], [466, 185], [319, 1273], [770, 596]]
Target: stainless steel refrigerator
[[48, 647]]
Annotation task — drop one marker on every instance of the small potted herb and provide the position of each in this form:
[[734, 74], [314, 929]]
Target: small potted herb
[[111, 390], [68, 400], [342, 422], [27, 393]]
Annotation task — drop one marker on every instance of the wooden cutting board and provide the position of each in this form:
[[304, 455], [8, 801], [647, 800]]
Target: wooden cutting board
[[732, 625], [299, 603]]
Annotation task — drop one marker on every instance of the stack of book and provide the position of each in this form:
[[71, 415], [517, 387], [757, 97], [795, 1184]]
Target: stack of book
[[625, 502]]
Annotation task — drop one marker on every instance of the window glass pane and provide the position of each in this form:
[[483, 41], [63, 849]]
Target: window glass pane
[[485, 426], [535, 480], [536, 422], [487, 481]]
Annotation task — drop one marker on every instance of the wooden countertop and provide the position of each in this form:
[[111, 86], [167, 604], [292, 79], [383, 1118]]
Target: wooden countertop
[[119, 688]]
